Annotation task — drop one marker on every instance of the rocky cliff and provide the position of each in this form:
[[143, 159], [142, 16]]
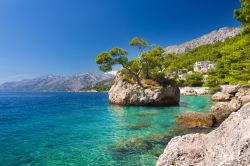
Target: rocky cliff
[[125, 93], [229, 144], [219, 35]]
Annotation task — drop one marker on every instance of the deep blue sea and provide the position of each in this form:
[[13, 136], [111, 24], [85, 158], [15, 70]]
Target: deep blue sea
[[79, 129]]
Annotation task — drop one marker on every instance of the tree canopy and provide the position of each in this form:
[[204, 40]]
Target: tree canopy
[[141, 44], [232, 58]]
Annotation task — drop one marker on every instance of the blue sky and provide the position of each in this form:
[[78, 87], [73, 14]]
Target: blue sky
[[63, 37]]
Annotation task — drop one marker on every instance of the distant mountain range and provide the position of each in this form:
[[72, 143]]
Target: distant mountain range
[[214, 36], [52, 83]]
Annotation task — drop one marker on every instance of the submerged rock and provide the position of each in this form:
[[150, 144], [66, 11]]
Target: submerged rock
[[125, 93], [195, 119], [132, 145], [229, 144], [158, 139]]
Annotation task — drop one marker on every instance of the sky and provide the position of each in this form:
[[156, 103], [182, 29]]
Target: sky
[[63, 37]]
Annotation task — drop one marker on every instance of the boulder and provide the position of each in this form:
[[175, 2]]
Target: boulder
[[220, 96], [229, 144], [195, 119], [221, 111], [126, 93], [244, 99], [230, 89], [243, 91], [235, 105]]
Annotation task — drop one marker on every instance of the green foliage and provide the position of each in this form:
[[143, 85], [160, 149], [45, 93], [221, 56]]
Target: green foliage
[[232, 58], [101, 86], [115, 56], [152, 62], [105, 61], [243, 14], [195, 79], [141, 44], [116, 52], [212, 81]]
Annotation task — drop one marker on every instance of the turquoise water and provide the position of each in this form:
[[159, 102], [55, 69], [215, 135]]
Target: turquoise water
[[83, 129]]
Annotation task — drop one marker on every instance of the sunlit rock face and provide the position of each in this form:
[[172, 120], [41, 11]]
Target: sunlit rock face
[[214, 36], [125, 93], [229, 144]]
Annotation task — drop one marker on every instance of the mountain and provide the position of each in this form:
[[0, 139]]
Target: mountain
[[101, 86], [212, 37], [52, 83]]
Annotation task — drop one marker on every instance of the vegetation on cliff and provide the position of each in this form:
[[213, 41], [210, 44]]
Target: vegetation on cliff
[[154, 66], [101, 86]]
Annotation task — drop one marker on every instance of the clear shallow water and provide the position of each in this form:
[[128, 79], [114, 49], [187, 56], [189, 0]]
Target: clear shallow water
[[83, 129]]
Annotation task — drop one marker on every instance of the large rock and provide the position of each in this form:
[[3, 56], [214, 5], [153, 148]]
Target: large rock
[[125, 93], [229, 144], [244, 99], [220, 96], [195, 119], [221, 111], [230, 89]]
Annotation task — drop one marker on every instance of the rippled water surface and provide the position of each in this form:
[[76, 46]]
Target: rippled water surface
[[83, 129]]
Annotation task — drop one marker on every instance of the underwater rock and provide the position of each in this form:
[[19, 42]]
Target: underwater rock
[[195, 119], [156, 150], [132, 145], [145, 114], [158, 139]]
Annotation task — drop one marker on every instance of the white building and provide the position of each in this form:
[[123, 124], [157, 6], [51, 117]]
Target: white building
[[204, 66]]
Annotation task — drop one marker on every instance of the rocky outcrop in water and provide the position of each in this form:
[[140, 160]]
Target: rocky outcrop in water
[[229, 144], [220, 96], [125, 93], [219, 35], [195, 119], [232, 99]]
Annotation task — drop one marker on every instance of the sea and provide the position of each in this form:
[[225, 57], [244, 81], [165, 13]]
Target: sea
[[83, 129]]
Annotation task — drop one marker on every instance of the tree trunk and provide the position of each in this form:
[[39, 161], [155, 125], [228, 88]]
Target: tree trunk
[[136, 77]]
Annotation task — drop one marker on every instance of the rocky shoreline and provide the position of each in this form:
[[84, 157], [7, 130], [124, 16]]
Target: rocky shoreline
[[229, 144], [194, 91]]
